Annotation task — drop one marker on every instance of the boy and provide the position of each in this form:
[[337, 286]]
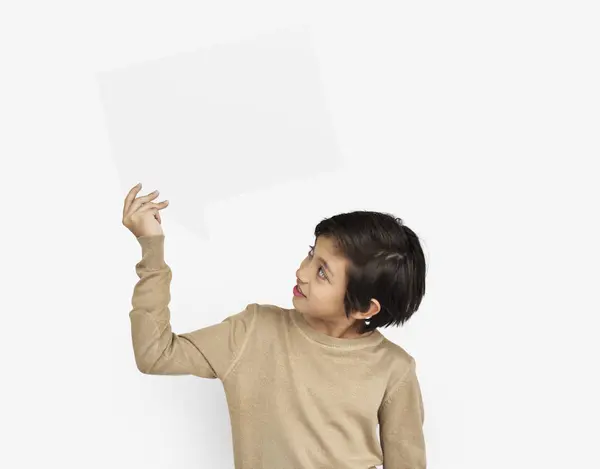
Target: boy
[[306, 387]]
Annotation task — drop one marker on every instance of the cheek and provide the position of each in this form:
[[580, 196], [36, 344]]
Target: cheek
[[327, 294], [317, 292]]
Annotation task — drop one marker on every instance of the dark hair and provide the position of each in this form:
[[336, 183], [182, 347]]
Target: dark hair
[[386, 263]]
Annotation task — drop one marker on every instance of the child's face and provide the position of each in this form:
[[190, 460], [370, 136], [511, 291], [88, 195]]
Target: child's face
[[324, 288]]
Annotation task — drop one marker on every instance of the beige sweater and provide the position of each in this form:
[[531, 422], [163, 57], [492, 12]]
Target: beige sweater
[[297, 398]]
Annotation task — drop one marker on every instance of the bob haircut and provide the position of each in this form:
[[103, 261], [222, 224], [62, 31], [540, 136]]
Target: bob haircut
[[386, 262]]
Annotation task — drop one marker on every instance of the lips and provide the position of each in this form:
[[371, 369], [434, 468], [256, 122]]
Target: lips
[[300, 290]]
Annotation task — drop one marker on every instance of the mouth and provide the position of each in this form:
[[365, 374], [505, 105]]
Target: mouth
[[299, 292]]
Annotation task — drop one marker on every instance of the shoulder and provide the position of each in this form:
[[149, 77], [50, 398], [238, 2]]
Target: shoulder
[[265, 315], [401, 365], [264, 312], [400, 359], [269, 309]]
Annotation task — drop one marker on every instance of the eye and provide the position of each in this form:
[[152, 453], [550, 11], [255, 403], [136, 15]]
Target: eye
[[310, 254]]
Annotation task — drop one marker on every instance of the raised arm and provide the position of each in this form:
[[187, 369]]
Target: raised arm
[[210, 352]]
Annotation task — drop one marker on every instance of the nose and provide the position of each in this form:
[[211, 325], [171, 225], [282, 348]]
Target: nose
[[300, 282]]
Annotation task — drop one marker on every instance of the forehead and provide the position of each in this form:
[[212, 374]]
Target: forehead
[[327, 250], [326, 246]]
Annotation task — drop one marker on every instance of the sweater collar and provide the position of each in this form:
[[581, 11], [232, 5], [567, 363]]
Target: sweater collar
[[300, 321]]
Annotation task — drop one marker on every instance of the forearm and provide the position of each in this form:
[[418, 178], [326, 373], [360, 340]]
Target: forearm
[[150, 317]]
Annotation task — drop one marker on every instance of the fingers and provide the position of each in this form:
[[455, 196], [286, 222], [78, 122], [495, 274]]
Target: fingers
[[142, 204], [153, 206], [137, 203], [130, 197]]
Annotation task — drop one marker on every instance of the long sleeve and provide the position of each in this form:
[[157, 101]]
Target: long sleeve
[[401, 419], [210, 352]]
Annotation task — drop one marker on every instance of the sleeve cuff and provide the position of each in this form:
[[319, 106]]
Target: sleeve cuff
[[153, 251]]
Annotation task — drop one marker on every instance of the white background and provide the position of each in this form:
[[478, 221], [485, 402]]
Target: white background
[[475, 122]]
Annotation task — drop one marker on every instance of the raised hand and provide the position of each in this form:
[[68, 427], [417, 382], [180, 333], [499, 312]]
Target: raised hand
[[140, 215]]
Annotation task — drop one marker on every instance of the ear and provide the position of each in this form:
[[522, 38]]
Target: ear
[[374, 308]]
